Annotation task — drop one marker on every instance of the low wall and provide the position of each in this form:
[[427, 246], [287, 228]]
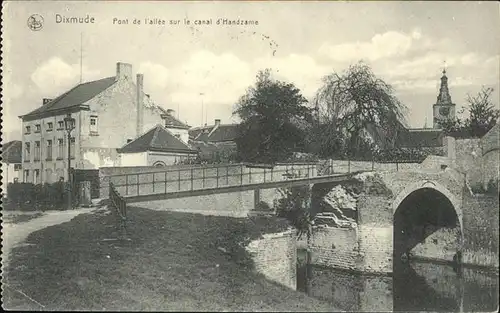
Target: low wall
[[480, 220], [275, 257], [442, 245], [344, 166], [234, 204]]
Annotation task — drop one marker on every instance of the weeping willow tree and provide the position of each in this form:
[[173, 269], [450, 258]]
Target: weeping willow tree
[[358, 107]]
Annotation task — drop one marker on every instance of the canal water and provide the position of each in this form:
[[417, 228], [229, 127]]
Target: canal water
[[414, 286]]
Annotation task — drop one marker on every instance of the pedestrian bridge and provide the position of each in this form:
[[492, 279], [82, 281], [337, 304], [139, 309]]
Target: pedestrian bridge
[[191, 182]]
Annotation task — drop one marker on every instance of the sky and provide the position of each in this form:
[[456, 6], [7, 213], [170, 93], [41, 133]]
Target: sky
[[190, 67]]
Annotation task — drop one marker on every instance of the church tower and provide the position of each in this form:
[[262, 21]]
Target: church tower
[[443, 108]]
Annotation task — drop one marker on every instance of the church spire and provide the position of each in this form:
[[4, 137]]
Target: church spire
[[443, 109], [444, 94]]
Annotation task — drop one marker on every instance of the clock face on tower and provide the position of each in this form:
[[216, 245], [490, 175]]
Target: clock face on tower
[[444, 111]]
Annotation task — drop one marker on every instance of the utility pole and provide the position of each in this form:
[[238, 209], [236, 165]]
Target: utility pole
[[202, 94], [81, 58]]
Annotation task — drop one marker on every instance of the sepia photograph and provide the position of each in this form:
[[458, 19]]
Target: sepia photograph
[[231, 156]]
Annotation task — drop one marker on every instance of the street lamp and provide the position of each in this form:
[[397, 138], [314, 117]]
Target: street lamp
[[69, 125]]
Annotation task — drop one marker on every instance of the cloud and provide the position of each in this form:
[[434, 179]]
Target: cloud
[[302, 70], [389, 44], [158, 76], [221, 78], [55, 75]]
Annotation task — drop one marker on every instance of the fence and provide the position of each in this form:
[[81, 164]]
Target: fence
[[199, 178], [119, 208]]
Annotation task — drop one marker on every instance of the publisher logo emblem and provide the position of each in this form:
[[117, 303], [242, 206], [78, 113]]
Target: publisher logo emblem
[[35, 22]]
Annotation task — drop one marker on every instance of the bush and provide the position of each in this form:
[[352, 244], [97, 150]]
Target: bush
[[490, 189], [294, 206], [30, 197]]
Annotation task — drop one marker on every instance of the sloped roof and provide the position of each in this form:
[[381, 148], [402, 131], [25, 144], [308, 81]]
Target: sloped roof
[[419, 138], [12, 152], [214, 133], [75, 96], [156, 139], [171, 121]]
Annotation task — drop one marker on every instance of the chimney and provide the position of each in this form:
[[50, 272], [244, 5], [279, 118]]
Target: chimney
[[123, 71], [140, 104], [217, 122], [45, 101]]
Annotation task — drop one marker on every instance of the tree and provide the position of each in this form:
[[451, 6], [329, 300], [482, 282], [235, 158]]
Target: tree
[[482, 113], [357, 102], [482, 116], [273, 115]]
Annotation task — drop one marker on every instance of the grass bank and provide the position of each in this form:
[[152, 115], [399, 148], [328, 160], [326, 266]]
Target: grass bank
[[172, 263]]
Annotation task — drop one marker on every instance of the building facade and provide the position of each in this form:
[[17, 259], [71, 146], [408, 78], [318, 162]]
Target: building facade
[[215, 143], [108, 112], [11, 163]]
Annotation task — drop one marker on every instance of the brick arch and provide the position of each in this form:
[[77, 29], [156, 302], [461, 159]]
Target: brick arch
[[456, 203]]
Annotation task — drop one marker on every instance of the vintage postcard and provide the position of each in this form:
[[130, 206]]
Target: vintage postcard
[[250, 156]]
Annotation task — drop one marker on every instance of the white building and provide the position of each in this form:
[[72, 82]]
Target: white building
[[11, 163], [157, 147]]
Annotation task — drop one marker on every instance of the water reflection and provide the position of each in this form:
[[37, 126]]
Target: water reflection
[[415, 286]]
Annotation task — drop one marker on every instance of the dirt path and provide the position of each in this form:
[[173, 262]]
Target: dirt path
[[14, 234]]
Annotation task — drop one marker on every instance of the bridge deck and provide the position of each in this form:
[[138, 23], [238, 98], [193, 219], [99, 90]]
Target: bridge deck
[[174, 183], [239, 188]]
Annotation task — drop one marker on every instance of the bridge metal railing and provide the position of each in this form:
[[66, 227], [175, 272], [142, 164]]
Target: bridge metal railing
[[199, 178], [118, 206]]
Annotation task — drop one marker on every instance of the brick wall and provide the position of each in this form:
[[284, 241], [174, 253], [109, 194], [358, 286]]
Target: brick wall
[[335, 247], [275, 256], [375, 232], [468, 159], [481, 216]]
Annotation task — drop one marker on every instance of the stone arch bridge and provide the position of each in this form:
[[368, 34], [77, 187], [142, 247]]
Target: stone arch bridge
[[367, 222]]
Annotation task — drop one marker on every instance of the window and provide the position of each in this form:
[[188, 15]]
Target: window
[[27, 152], [17, 167], [38, 128], [36, 176], [37, 151], [26, 177], [93, 124], [27, 130], [72, 151], [60, 125], [60, 149], [50, 126], [49, 149]]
